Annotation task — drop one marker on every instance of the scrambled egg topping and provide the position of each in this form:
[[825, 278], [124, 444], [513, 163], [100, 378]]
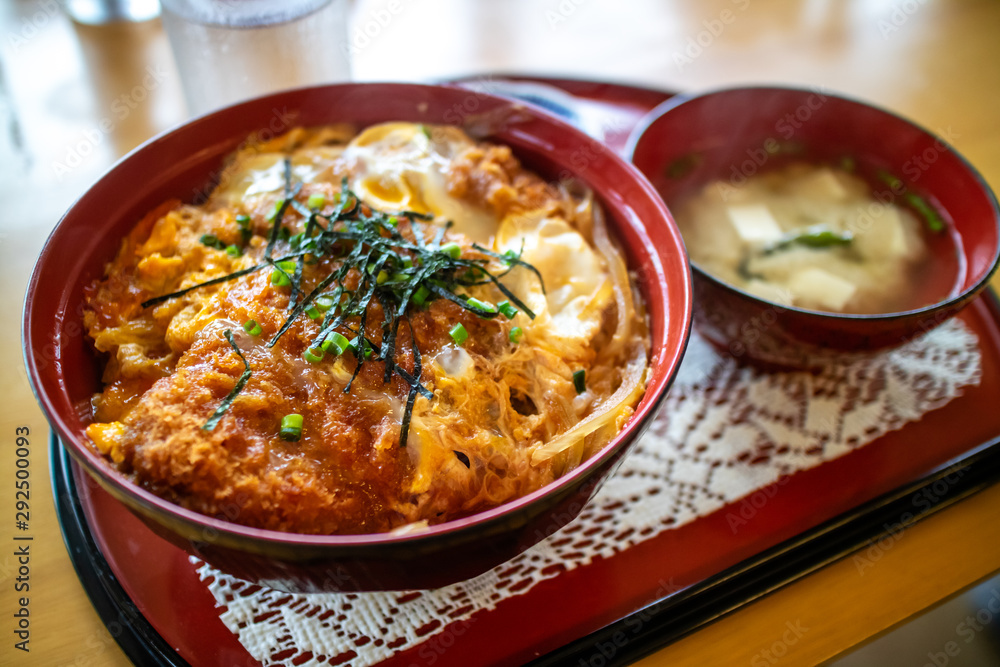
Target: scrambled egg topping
[[506, 417]]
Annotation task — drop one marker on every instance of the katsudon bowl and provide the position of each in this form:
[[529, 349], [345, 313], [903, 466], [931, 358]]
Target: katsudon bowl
[[185, 163]]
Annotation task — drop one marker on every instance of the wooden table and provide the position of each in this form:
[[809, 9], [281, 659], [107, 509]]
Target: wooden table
[[936, 63]]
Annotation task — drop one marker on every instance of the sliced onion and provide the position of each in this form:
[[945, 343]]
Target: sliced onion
[[633, 376], [629, 391], [620, 282]]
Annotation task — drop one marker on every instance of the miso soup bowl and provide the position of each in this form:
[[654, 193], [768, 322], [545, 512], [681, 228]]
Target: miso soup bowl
[[731, 135], [182, 163]]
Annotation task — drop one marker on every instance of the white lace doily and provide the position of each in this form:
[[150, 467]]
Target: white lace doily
[[723, 432]]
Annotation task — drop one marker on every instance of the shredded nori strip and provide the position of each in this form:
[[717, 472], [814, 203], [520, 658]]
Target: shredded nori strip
[[213, 421], [213, 281], [278, 217], [366, 241], [300, 308], [389, 340], [513, 260], [404, 428]]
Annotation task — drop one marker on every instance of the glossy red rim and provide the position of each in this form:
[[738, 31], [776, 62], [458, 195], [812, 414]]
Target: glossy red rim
[[664, 257]]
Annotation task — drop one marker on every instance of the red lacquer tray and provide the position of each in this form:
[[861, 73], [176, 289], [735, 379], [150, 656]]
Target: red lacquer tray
[[150, 595]]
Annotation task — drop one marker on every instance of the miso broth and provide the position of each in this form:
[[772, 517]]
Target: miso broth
[[814, 237]]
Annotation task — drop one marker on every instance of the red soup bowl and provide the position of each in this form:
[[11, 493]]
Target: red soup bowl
[[730, 135], [65, 371]]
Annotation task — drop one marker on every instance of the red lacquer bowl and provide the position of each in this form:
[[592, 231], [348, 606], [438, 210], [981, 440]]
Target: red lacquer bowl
[[65, 372], [730, 135]]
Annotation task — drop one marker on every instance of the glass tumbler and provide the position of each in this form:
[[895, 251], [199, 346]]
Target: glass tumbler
[[232, 50]]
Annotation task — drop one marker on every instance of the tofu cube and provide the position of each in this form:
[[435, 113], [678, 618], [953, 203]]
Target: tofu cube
[[822, 185], [769, 291], [822, 288], [877, 234], [754, 223]]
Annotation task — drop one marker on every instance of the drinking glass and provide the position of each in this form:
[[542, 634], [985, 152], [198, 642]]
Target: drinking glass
[[101, 12], [232, 50]]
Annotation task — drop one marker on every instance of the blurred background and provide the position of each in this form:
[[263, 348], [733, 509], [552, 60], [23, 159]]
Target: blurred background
[[75, 95]]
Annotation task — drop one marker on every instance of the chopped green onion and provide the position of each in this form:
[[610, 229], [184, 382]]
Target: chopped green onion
[[934, 221], [407, 263], [233, 251], [212, 241], [458, 334], [336, 343], [291, 427], [244, 224], [252, 327], [393, 221], [507, 310], [313, 312], [452, 249], [420, 296], [382, 277], [274, 212], [316, 200], [481, 305], [324, 302], [426, 131], [356, 344], [279, 279], [510, 257], [515, 334], [817, 236], [313, 355], [890, 180], [580, 381], [823, 238]]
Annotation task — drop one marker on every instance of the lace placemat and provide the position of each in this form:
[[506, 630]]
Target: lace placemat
[[723, 432]]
